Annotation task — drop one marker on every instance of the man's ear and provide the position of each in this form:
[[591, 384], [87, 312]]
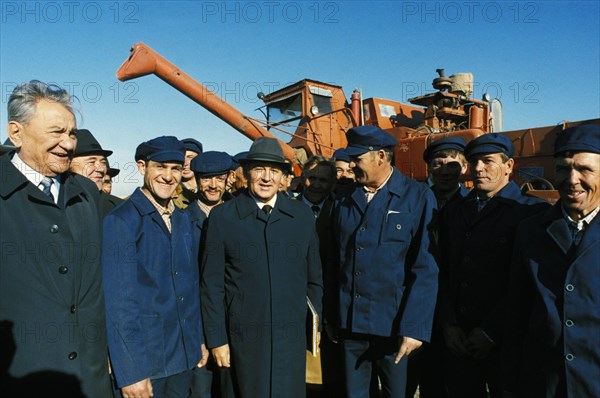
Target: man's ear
[[141, 165], [510, 163], [15, 131]]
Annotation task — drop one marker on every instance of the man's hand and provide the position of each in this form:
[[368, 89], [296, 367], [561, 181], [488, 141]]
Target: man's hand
[[456, 341], [141, 389], [221, 356], [204, 358], [479, 344], [407, 345]]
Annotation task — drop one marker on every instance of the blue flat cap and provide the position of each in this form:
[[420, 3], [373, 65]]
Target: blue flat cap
[[584, 138], [192, 145], [445, 143], [237, 157], [161, 149], [490, 143], [212, 163], [363, 139], [341, 155]]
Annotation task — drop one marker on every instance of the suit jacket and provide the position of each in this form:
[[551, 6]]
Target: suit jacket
[[50, 283], [554, 303], [385, 256], [151, 283], [108, 202], [257, 272]]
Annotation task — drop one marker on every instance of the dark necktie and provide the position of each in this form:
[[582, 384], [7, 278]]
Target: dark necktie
[[316, 210], [46, 184], [267, 209]]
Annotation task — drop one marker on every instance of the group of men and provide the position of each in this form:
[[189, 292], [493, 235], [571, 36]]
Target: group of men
[[198, 283]]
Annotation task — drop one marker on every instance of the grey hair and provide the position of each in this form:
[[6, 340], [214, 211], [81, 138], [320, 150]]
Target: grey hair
[[24, 98]]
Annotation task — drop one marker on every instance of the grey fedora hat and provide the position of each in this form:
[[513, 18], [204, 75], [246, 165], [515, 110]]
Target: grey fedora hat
[[265, 149]]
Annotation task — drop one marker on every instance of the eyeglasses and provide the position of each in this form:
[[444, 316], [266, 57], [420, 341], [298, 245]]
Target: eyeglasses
[[259, 172]]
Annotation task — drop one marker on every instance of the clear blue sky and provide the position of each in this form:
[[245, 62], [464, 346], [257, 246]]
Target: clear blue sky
[[541, 58]]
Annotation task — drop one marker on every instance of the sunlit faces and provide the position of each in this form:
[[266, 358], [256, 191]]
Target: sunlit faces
[[188, 174], [490, 172], [160, 179], [264, 179], [318, 183], [47, 140], [371, 168], [211, 189], [445, 172], [90, 166], [578, 182]]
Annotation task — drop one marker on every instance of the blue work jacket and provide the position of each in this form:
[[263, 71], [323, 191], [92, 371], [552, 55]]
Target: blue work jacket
[[151, 284], [384, 259], [554, 309]]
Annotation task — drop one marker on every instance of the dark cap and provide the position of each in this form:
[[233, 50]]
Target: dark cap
[[192, 145], [584, 138], [161, 149], [363, 139], [490, 143], [341, 155], [265, 149], [111, 171], [88, 145], [211, 163], [445, 143]]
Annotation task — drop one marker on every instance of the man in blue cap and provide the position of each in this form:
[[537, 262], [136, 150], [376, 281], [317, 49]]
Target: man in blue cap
[[187, 190], [383, 265], [476, 241], [552, 344], [344, 173], [151, 282]]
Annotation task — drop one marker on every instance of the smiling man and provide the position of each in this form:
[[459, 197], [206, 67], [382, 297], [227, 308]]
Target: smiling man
[[261, 261], [552, 347], [151, 282]]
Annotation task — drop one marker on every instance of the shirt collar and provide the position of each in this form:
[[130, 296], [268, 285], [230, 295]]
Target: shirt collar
[[579, 225], [34, 176], [260, 204], [162, 210]]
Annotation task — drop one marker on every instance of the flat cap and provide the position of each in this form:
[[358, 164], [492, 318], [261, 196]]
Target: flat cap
[[341, 155], [490, 143], [192, 145], [237, 157], [363, 139], [161, 149], [212, 163], [445, 143], [87, 144], [265, 149], [584, 138]]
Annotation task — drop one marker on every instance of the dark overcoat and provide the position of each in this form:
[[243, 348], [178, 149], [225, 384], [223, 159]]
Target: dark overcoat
[[50, 283], [476, 248], [554, 322], [257, 273], [387, 271], [151, 283]]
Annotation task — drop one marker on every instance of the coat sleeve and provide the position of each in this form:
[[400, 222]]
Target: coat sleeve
[[213, 283], [416, 317], [129, 360]]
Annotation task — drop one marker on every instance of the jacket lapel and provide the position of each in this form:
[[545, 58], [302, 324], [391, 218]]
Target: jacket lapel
[[558, 228]]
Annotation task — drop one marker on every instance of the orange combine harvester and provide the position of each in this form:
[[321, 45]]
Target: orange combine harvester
[[317, 116]]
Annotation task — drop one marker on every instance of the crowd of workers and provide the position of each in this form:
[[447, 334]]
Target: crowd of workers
[[198, 283]]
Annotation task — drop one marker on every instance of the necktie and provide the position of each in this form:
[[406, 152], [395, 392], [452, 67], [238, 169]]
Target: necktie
[[46, 184], [267, 209], [315, 210]]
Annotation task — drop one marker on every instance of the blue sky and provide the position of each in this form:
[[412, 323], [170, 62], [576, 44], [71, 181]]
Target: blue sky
[[541, 58]]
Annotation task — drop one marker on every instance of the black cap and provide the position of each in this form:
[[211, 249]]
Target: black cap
[[88, 145], [456, 143], [584, 138]]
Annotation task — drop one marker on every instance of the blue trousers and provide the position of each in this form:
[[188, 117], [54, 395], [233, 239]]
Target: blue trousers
[[362, 354]]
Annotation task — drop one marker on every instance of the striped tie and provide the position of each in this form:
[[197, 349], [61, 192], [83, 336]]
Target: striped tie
[[46, 184]]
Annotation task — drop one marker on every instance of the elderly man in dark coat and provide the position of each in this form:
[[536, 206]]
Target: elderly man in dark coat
[[260, 262], [552, 341], [50, 273]]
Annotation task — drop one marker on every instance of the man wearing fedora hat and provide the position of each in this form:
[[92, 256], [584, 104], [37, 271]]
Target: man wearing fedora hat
[[151, 282], [552, 347], [260, 262], [476, 241]]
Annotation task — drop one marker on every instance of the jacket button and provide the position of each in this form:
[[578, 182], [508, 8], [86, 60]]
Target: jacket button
[[359, 248], [180, 298], [175, 272], [569, 288], [357, 295], [569, 357], [362, 228], [468, 234], [63, 269], [72, 355], [54, 229], [398, 226], [569, 323], [357, 273], [73, 309]]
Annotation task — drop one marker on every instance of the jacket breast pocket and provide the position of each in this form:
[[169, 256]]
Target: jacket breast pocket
[[397, 227]]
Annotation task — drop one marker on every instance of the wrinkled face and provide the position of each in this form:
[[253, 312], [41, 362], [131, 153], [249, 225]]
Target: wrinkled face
[[90, 166], [318, 183], [344, 174], [578, 183], [160, 179], [46, 142], [107, 184], [211, 189], [264, 180], [445, 172], [367, 167], [490, 173], [188, 174]]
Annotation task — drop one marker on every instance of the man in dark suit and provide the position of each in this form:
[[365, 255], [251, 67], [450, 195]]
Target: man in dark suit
[[552, 345], [476, 240], [151, 282], [260, 262], [50, 272], [384, 256]]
